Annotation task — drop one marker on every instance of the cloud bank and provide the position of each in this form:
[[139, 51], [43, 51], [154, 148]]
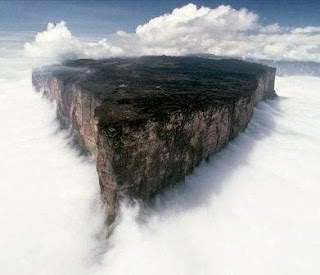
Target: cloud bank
[[57, 43], [222, 30]]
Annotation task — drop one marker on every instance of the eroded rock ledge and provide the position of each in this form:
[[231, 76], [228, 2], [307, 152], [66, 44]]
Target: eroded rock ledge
[[151, 120]]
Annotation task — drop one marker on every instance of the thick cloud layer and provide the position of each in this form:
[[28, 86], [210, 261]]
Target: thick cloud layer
[[48, 195], [189, 29]]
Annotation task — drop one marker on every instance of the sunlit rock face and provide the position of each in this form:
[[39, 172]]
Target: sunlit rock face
[[151, 120]]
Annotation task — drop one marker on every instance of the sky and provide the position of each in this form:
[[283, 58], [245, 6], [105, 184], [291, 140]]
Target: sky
[[56, 30], [105, 17]]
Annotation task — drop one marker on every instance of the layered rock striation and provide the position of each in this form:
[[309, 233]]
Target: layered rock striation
[[151, 120]]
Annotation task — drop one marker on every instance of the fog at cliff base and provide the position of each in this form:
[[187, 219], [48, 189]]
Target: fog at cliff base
[[253, 208]]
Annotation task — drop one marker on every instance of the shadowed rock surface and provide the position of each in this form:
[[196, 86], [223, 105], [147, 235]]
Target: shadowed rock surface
[[151, 120]]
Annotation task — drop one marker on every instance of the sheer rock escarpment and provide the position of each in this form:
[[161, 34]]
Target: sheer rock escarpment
[[151, 120]]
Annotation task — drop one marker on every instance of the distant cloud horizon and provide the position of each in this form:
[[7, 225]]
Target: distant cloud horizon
[[221, 30]]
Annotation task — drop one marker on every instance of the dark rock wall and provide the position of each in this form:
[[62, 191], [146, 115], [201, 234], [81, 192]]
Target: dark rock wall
[[141, 160]]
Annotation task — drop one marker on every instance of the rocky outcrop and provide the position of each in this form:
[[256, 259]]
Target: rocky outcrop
[[151, 120]]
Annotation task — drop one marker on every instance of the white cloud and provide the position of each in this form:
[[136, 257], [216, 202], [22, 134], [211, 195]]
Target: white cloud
[[190, 29], [309, 29], [57, 43], [272, 28], [190, 20], [226, 31]]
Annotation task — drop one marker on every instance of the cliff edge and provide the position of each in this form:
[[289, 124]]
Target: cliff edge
[[151, 120]]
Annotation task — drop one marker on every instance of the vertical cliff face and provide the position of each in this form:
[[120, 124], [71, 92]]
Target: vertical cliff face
[[151, 121], [138, 161], [75, 108], [265, 88]]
